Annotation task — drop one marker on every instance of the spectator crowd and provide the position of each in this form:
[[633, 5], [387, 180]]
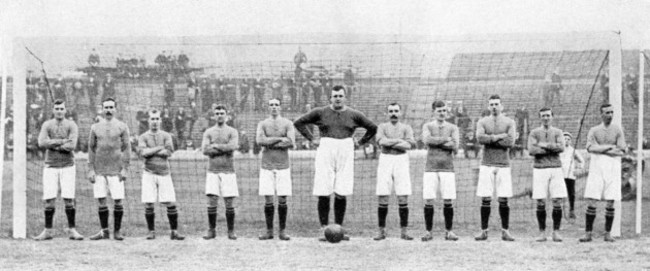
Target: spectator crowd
[[189, 94]]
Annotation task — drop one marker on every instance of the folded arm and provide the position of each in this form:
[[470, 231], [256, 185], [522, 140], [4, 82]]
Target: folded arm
[[289, 141], [594, 147], [263, 140], [44, 140], [507, 140], [232, 145], [207, 148], [556, 147], [533, 148], [429, 140], [71, 142]]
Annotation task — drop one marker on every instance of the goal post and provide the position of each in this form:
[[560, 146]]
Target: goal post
[[19, 215], [639, 145], [4, 55], [616, 100]]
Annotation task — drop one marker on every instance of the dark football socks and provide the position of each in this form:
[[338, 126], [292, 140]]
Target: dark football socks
[[485, 214], [382, 212], [557, 217], [117, 217], [323, 210], [103, 217], [541, 217], [609, 219], [49, 216], [589, 218], [340, 204], [172, 215], [150, 216], [448, 213], [428, 217], [504, 212], [212, 217], [403, 215], [269, 211], [70, 213], [282, 215], [230, 218]]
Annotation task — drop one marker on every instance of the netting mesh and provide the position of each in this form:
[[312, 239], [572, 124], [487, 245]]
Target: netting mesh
[[528, 75]]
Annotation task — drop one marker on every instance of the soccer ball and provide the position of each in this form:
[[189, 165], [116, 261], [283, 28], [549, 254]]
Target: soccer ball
[[334, 233]]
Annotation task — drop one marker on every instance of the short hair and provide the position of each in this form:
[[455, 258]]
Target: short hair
[[605, 105], [494, 97], [59, 101], [437, 104], [339, 88], [109, 99], [546, 109], [394, 104], [277, 99], [220, 107]]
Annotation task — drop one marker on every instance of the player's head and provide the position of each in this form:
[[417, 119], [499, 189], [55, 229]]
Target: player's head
[[275, 106], [567, 138], [471, 134], [338, 97], [77, 84], [108, 108], [154, 120], [220, 113], [394, 112], [59, 109], [439, 110], [109, 76], [607, 113], [494, 105], [546, 115]]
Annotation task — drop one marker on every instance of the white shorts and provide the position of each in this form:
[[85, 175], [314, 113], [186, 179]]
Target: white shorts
[[393, 171], [548, 181], [334, 167], [604, 180], [491, 178], [59, 178], [443, 183], [276, 181], [157, 188], [221, 184], [104, 184]]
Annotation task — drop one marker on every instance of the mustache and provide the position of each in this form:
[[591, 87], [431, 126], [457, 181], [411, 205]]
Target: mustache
[[393, 117]]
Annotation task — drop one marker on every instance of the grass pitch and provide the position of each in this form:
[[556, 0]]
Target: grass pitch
[[304, 252], [309, 254]]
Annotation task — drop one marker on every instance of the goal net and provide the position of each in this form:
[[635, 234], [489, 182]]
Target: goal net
[[570, 74]]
